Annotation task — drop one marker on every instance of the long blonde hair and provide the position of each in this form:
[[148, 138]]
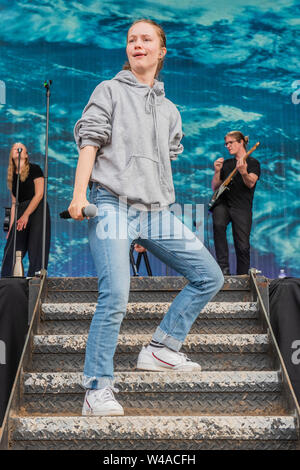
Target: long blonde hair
[[12, 169], [163, 43]]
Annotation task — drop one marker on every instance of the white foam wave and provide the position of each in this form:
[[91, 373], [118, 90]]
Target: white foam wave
[[208, 118]]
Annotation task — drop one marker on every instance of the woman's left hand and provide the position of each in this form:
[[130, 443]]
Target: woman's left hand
[[22, 222], [139, 248]]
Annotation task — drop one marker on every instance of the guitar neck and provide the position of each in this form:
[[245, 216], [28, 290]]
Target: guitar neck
[[229, 177]]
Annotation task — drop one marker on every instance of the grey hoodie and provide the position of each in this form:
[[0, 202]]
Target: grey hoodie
[[137, 131]]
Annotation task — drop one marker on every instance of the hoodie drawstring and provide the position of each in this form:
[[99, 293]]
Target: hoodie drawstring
[[151, 104]]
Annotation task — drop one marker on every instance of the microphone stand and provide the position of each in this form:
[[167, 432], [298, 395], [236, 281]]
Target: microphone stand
[[16, 212], [47, 85]]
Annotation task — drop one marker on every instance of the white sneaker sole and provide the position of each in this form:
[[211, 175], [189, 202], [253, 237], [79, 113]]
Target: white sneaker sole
[[102, 413], [144, 364]]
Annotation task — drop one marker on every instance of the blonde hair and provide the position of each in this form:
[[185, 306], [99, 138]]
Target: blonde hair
[[163, 43], [237, 135], [12, 169]]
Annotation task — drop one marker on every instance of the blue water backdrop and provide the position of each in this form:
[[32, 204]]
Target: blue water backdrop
[[230, 65]]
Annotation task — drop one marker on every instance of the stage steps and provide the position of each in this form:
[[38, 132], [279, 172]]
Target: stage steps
[[162, 393], [142, 317], [237, 401]]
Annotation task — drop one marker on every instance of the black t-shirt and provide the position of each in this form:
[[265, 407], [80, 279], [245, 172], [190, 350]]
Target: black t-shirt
[[26, 188], [239, 195]]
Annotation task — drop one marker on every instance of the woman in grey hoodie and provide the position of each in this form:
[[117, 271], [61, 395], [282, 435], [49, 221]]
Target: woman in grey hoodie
[[127, 136]]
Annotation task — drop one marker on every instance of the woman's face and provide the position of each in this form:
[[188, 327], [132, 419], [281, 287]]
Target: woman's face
[[15, 153], [144, 47]]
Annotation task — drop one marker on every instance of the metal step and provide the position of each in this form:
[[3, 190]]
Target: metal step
[[127, 362], [65, 353], [133, 343], [142, 317], [237, 401], [200, 326], [154, 432], [162, 393], [152, 310], [141, 283], [145, 296], [143, 289]]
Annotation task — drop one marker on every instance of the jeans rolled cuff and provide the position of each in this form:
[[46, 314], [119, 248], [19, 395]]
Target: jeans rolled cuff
[[161, 337], [96, 383]]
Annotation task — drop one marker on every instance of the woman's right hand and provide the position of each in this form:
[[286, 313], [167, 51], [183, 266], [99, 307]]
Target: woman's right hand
[[76, 206], [218, 164], [139, 248]]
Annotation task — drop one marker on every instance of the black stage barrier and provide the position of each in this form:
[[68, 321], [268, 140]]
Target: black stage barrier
[[13, 329], [284, 296]]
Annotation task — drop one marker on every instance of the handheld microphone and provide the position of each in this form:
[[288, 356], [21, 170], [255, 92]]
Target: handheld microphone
[[88, 211], [19, 149]]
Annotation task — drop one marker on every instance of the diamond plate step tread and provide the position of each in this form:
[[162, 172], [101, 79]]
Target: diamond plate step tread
[[143, 289], [155, 428], [124, 362], [158, 404], [143, 296], [200, 326], [164, 393], [157, 445], [144, 283], [146, 310], [143, 382], [133, 343]]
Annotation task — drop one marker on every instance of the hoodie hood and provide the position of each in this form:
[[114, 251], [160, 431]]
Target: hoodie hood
[[127, 77]]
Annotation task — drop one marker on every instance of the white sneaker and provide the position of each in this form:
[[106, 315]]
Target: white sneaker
[[101, 403], [165, 359]]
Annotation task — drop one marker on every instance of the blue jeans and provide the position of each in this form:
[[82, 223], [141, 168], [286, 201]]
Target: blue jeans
[[111, 233]]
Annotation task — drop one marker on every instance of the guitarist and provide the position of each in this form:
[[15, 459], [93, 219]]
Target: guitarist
[[235, 204]]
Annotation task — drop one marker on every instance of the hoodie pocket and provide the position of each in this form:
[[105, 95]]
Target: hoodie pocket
[[141, 163], [140, 178], [136, 156]]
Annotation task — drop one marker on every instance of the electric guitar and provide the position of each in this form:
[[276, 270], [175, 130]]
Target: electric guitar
[[225, 185]]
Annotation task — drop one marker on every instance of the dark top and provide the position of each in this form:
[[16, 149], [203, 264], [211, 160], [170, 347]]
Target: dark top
[[239, 195], [26, 189]]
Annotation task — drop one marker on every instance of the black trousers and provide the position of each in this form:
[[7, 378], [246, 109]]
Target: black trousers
[[29, 240], [241, 221]]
